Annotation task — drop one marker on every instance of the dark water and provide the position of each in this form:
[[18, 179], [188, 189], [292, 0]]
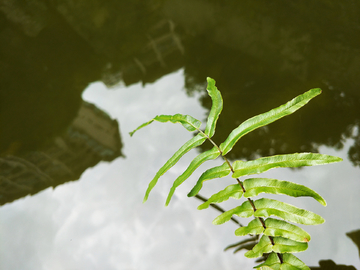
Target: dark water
[[261, 54]]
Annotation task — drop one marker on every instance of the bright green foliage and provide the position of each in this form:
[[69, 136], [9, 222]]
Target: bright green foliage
[[254, 227], [245, 210], [192, 143], [267, 118], [216, 172], [188, 122], [264, 246], [290, 262], [279, 238], [255, 186], [200, 159], [232, 191], [281, 245], [261, 165], [268, 207], [276, 227], [216, 107]]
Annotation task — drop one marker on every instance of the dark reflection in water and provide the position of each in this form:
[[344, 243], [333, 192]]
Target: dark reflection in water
[[330, 265], [355, 237], [91, 137], [48, 135], [262, 54], [265, 57]]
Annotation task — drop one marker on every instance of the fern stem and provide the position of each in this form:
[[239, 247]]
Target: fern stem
[[243, 188]]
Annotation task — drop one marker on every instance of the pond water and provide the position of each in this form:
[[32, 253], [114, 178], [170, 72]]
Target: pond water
[[76, 78]]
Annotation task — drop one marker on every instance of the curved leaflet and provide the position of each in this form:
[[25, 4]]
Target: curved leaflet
[[289, 262], [200, 159], [255, 186], [254, 227], [216, 172], [267, 118], [261, 165], [281, 245], [245, 210], [192, 143], [232, 191], [269, 207], [284, 245], [276, 227], [188, 122], [264, 246], [216, 108]]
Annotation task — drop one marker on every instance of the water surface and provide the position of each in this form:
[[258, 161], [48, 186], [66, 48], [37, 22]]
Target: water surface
[[77, 77]]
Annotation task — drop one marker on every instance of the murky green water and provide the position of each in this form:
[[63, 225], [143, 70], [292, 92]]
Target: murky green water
[[76, 77]]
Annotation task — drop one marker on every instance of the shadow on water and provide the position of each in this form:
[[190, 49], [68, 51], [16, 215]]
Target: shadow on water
[[261, 54]]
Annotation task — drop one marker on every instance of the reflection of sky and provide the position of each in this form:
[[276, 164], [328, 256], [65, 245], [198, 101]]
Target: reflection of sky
[[100, 222]]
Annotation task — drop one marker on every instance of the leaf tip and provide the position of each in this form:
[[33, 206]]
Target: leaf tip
[[317, 90], [323, 202], [193, 192], [168, 199], [321, 221], [215, 222], [210, 80]]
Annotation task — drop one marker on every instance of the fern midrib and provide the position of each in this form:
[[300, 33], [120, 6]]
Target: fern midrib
[[243, 188]]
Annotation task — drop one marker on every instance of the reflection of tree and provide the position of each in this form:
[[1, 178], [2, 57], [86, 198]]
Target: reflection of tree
[[48, 135], [355, 237], [50, 51], [92, 136], [252, 84], [260, 59], [43, 75], [330, 265]]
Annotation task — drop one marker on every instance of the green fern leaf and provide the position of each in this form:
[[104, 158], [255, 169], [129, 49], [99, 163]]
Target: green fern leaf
[[264, 246], [188, 122], [192, 143], [272, 262], [276, 227], [216, 108], [284, 245], [255, 186], [281, 245], [200, 159], [261, 165], [254, 227], [245, 210], [290, 262], [216, 172], [232, 191], [268, 207], [267, 118]]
